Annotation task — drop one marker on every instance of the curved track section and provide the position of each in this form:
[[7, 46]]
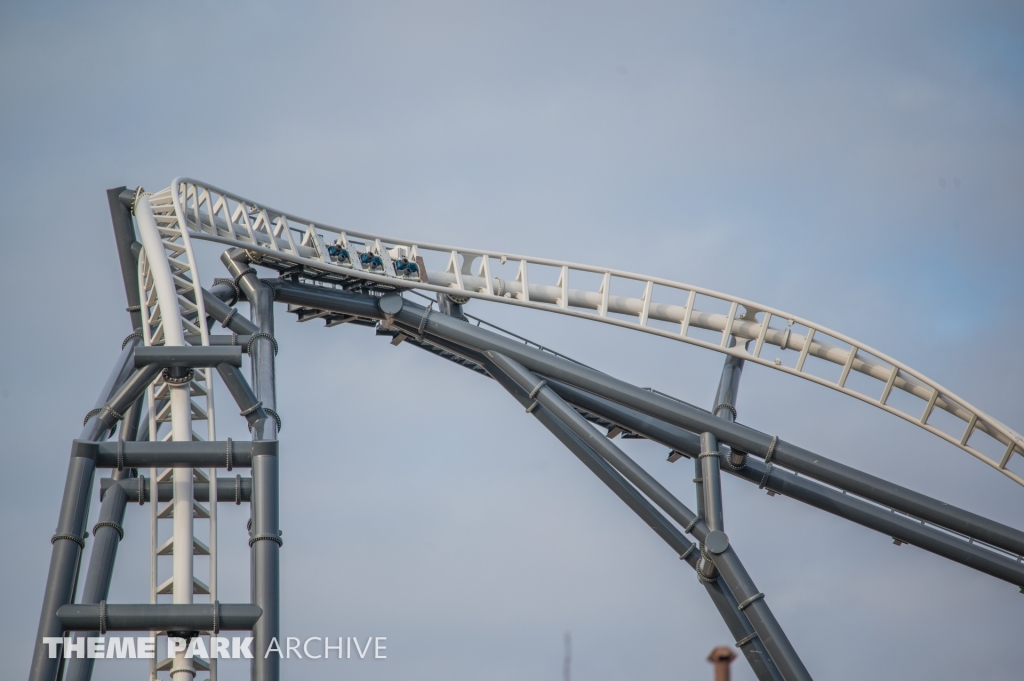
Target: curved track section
[[691, 314], [173, 313]]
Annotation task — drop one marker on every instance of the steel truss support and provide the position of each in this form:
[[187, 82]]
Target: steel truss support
[[724, 556], [265, 537]]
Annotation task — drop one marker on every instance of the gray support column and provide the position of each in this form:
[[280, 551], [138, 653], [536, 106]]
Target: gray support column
[[677, 413], [744, 636], [726, 398], [803, 489], [265, 541], [120, 391], [709, 463], [222, 312], [754, 651], [245, 398], [107, 535], [124, 237], [68, 543], [657, 411], [738, 581]]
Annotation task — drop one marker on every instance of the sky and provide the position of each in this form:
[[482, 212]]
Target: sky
[[856, 164]]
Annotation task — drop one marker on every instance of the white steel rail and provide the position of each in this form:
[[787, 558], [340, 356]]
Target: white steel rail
[[663, 307], [172, 312]]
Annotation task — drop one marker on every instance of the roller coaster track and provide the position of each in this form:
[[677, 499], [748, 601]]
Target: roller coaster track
[[342, 276], [358, 260]]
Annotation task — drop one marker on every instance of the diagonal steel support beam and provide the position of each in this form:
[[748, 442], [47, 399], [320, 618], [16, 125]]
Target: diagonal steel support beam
[[760, 616], [107, 535], [122, 389], [684, 443], [686, 416], [743, 633], [673, 423]]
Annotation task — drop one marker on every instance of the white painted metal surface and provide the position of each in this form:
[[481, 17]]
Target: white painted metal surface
[[691, 314], [172, 309]]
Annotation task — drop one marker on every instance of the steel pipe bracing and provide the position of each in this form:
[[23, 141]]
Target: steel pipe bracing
[[802, 489], [743, 633], [107, 535], [121, 391], [237, 489], [694, 419], [188, 356], [365, 307], [160, 617], [265, 541], [124, 237], [760, 616], [196, 454], [709, 461], [669, 412]]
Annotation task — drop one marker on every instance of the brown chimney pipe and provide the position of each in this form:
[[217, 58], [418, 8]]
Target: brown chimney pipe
[[722, 658]]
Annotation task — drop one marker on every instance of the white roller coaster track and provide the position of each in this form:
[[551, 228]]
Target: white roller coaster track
[[172, 309], [648, 304]]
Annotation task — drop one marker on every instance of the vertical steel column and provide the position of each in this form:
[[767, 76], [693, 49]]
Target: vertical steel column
[[119, 200], [265, 538], [68, 544], [107, 535], [69, 539], [711, 475], [709, 462]]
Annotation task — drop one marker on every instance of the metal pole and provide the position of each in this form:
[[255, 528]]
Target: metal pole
[[806, 490], [265, 540], [717, 543], [721, 597], [107, 535], [657, 411], [688, 417], [124, 237], [121, 389], [709, 463]]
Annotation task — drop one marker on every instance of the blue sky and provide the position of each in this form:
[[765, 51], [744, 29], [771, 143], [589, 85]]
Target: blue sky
[[857, 164]]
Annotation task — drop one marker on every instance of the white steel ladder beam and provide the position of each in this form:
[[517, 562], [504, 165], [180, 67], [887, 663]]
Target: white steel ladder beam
[[232, 228]]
